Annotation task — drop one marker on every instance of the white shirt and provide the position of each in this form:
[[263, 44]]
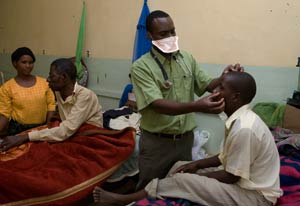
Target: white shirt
[[79, 108], [249, 151]]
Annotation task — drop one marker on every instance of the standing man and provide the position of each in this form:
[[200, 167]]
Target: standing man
[[165, 81]]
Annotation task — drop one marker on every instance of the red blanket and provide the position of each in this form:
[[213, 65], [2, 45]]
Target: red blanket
[[63, 173]]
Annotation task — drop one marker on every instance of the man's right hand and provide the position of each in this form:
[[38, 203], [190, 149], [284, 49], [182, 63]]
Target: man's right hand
[[187, 168], [211, 104]]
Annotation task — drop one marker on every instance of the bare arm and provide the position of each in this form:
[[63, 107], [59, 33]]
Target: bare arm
[[50, 115], [3, 125], [199, 164], [230, 68], [13, 141], [213, 84], [206, 104], [214, 161], [222, 176]]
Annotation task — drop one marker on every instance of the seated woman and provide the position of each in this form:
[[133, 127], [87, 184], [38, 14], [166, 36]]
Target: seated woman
[[26, 101]]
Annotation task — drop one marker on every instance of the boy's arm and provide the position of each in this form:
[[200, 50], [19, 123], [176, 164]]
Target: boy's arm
[[222, 176], [199, 164]]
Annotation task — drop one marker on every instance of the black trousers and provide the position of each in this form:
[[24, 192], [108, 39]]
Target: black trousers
[[15, 127]]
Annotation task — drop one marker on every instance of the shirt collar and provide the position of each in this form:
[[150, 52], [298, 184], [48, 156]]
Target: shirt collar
[[71, 98], [236, 115], [75, 88]]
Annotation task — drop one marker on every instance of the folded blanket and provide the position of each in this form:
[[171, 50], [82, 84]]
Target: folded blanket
[[63, 173]]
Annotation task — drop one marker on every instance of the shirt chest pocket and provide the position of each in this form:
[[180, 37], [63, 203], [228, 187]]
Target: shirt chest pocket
[[184, 82], [182, 88]]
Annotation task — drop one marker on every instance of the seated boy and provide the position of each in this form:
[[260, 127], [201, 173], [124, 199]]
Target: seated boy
[[246, 172]]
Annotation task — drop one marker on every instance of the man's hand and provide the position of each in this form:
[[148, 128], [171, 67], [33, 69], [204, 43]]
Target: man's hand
[[12, 141], [235, 68], [194, 166], [211, 104], [187, 168], [215, 82]]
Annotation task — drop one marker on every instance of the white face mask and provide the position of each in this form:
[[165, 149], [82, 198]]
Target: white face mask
[[167, 45]]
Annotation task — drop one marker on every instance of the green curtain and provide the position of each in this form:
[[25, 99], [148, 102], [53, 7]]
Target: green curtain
[[80, 44], [271, 113]]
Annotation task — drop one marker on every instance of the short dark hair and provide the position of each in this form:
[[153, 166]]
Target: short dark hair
[[153, 15], [19, 52], [244, 83], [65, 66]]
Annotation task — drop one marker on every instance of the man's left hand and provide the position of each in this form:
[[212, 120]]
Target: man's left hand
[[233, 68], [12, 141]]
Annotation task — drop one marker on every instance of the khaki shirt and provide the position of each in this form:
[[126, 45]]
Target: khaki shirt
[[149, 85], [79, 108], [249, 151]]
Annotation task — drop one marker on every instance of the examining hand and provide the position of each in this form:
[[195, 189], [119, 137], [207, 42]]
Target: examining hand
[[212, 103], [235, 68]]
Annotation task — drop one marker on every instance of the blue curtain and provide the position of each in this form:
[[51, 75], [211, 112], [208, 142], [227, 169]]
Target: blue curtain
[[141, 44]]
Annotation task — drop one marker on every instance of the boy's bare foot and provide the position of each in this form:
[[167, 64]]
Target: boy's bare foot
[[105, 198]]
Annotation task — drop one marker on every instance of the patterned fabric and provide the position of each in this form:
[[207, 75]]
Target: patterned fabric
[[289, 176], [281, 134], [288, 145], [166, 202], [286, 137]]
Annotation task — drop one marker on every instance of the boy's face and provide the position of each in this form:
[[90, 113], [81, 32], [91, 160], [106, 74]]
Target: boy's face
[[226, 92]]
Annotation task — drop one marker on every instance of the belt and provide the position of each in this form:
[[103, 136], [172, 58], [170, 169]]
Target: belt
[[169, 136]]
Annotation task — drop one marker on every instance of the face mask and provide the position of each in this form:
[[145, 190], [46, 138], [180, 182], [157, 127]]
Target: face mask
[[167, 45]]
